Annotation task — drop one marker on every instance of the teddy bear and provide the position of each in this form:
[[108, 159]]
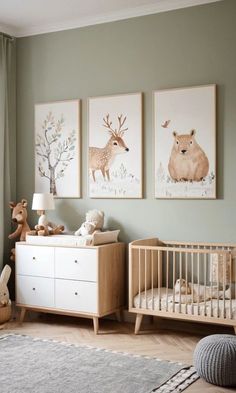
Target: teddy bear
[[46, 230], [94, 222], [19, 216], [87, 228], [45, 227], [193, 293], [181, 286]]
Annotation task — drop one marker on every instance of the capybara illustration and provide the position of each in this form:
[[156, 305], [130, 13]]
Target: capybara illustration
[[188, 161]]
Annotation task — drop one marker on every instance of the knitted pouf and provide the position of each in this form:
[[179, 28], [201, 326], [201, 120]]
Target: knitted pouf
[[215, 359]]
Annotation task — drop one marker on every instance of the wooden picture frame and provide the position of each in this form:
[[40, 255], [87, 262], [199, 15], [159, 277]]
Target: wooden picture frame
[[115, 146], [57, 148], [185, 142]]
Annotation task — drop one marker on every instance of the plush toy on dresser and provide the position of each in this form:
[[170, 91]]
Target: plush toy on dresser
[[94, 223], [19, 216], [5, 302], [46, 228]]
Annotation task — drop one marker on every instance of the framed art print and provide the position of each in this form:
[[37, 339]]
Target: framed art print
[[115, 146], [57, 148], [185, 142]]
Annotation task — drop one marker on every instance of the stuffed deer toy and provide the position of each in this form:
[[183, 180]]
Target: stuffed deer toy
[[19, 216], [4, 293]]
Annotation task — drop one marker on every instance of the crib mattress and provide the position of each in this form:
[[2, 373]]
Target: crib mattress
[[162, 300]]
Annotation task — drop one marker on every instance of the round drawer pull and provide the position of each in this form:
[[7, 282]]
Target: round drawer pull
[[76, 293], [33, 289], [34, 258], [76, 261]]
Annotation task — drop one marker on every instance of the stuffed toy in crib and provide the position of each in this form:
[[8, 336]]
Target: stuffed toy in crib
[[190, 292]]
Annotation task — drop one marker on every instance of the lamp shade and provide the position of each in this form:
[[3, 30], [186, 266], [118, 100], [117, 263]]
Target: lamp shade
[[43, 201]]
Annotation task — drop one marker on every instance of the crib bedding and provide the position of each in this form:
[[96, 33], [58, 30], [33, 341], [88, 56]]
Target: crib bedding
[[163, 300]]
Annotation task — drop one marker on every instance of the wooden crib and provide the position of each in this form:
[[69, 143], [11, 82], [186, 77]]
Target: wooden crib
[[183, 280]]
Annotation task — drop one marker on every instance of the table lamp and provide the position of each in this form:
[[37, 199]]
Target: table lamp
[[42, 202]]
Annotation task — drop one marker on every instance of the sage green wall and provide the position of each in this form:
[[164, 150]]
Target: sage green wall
[[192, 46]]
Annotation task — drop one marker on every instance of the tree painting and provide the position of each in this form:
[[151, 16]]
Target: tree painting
[[54, 150]]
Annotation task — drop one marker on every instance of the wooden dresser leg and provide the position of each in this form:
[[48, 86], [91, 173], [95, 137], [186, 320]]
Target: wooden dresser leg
[[95, 324], [139, 318], [22, 315], [119, 315], [235, 330]]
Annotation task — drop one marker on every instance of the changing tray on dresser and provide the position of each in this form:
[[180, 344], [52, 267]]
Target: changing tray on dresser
[[81, 281]]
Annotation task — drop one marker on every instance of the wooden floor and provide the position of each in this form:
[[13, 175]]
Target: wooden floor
[[176, 345]]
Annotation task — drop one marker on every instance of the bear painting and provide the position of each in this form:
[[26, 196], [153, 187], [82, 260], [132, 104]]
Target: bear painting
[[188, 161]]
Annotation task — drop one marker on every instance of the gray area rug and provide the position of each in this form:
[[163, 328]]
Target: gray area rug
[[30, 365]]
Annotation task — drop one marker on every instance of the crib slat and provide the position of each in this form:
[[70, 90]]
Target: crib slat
[[145, 277], [174, 260], [167, 278], [205, 256], [139, 276], [211, 279], [192, 282], [180, 275], [186, 278], [152, 279], [218, 287], [159, 278], [234, 267], [224, 284], [198, 283], [230, 286]]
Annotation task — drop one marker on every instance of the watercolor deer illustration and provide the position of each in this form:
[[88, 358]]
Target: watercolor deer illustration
[[103, 158]]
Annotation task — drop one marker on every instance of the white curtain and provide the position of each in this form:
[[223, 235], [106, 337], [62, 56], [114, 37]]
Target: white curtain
[[7, 140]]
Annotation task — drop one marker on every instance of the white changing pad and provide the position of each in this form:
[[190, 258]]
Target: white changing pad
[[70, 240]]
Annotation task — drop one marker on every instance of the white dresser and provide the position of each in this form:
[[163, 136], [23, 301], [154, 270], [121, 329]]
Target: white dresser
[[83, 281]]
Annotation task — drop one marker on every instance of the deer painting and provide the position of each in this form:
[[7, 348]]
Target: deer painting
[[102, 158]]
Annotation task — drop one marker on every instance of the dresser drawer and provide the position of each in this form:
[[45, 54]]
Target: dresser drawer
[[35, 291], [35, 261], [78, 296], [76, 264]]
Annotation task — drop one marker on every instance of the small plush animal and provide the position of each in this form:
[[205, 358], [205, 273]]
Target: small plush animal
[[188, 161], [191, 292], [4, 293], [182, 287], [45, 227], [94, 222], [97, 217], [87, 228], [19, 216]]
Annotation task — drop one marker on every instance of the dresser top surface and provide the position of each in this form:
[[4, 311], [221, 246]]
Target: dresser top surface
[[18, 244]]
